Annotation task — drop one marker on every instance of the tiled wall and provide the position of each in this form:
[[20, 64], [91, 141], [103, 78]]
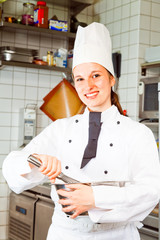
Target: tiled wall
[[133, 25], [22, 86]]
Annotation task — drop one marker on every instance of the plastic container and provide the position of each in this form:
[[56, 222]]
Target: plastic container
[[41, 15], [28, 14]]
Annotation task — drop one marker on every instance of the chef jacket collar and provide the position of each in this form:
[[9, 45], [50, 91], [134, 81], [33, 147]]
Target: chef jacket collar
[[107, 116]]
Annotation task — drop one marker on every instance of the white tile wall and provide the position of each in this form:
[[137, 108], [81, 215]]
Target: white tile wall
[[133, 25]]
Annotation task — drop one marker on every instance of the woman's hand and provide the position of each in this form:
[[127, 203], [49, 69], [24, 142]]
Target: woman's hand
[[80, 198], [50, 166]]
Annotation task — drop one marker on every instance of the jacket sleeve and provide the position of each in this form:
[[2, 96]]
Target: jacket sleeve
[[135, 201], [15, 165]]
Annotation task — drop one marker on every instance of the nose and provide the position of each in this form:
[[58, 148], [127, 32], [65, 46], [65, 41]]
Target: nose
[[90, 83]]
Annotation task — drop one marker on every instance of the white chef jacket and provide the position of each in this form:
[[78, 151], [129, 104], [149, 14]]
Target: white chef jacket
[[126, 151]]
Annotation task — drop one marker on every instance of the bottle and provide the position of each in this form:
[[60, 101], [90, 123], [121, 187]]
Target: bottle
[[41, 15], [28, 12], [50, 58]]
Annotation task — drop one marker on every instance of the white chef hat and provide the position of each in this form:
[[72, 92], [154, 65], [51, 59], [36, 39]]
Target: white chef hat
[[93, 44]]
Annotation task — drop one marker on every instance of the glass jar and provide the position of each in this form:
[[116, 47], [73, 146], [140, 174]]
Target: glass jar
[[28, 14]]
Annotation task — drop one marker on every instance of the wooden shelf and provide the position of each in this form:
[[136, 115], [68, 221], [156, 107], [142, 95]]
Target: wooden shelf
[[57, 34], [36, 66], [145, 66]]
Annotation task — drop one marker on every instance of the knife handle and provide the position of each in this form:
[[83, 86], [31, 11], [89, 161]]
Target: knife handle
[[32, 159]]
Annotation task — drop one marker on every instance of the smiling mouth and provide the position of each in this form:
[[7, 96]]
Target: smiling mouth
[[91, 95]]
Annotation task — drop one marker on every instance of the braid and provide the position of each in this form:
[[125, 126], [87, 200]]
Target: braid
[[115, 101]]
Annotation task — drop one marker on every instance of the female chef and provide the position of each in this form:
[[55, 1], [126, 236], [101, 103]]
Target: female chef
[[122, 151]]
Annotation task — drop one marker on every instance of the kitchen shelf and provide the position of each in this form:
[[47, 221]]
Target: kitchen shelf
[[75, 6], [145, 66], [36, 66], [57, 34]]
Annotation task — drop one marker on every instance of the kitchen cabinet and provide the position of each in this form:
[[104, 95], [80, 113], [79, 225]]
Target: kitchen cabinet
[[30, 213], [74, 7]]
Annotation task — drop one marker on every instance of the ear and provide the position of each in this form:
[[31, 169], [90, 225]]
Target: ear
[[112, 80]]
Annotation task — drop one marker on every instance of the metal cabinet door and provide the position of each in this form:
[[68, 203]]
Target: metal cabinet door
[[21, 217], [43, 218]]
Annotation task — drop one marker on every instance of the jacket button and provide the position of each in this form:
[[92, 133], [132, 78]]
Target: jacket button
[[111, 144], [66, 167], [105, 172], [70, 141], [118, 122], [76, 121]]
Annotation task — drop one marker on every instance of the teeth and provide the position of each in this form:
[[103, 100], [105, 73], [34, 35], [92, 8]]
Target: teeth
[[91, 94]]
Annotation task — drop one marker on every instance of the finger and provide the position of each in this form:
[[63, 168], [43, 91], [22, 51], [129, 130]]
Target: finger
[[43, 163], [68, 209], [63, 193], [56, 170], [53, 181], [75, 214], [74, 186], [65, 201], [48, 167]]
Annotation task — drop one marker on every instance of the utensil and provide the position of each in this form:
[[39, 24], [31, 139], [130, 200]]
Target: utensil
[[68, 180], [32, 159]]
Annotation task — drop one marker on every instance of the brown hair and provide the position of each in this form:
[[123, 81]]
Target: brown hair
[[115, 101]]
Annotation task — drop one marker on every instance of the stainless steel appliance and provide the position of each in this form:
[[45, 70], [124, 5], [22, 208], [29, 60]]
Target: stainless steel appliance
[[150, 230], [8, 53], [148, 97], [30, 214]]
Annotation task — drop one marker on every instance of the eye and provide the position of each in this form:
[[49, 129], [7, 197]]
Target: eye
[[79, 79], [96, 75]]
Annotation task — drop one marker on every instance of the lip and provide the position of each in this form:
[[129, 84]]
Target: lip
[[91, 95]]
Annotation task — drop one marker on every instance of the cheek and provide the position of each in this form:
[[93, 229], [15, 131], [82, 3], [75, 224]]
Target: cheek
[[78, 89], [103, 85]]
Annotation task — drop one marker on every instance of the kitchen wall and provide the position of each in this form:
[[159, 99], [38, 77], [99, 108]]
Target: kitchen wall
[[133, 25], [22, 86]]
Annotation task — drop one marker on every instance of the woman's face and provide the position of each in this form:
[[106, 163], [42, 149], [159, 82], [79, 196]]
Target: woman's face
[[93, 84]]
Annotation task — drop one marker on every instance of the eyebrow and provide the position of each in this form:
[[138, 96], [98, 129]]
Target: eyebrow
[[90, 74]]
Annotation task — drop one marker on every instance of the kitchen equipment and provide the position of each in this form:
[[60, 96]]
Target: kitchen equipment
[[21, 217], [30, 214], [28, 14], [151, 225], [32, 159], [62, 101], [8, 53], [68, 180], [27, 124], [148, 97]]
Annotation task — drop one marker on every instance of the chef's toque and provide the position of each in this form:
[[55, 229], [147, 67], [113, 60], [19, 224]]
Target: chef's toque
[[93, 44]]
